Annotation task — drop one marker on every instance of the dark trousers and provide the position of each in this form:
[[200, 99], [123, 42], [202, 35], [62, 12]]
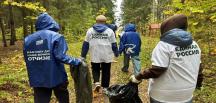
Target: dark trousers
[[105, 67], [126, 62], [43, 95]]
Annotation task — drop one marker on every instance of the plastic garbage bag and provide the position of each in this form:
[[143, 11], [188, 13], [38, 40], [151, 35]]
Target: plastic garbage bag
[[82, 83], [123, 93]]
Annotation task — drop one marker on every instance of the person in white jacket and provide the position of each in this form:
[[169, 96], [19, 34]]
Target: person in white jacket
[[100, 41], [176, 59]]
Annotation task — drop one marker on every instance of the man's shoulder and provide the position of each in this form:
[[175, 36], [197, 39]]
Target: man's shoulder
[[51, 33], [162, 43], [164, 46], [30, 36], [110, 30], [194, 42], [131, 34], [45, 33], [90, 29]]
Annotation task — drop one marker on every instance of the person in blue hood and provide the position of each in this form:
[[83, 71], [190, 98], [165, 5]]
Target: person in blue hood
[[45, 56], [113, 27], [130, 44], [176, 60], [100, 41]]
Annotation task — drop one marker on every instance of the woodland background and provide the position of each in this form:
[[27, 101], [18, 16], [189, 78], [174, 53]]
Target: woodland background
[[17, 18]]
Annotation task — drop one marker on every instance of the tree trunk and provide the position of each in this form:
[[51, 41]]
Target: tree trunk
[[59, 6], [46, 4], [25, 25], [32, 27], [98, 5], [182, 1], [31, 14], [12, 26], [2, 28], [3, 32], [0, 61]]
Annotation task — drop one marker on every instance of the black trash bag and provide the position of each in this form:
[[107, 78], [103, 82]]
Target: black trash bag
[[123, 93], [82, 83]]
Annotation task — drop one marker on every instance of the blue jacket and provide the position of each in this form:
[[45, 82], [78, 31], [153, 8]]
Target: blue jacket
[[112, 26], [130, 42], [178, 37], [45, 52]]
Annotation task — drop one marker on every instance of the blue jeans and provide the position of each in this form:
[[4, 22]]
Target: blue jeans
[[155, 101], [135, 61]]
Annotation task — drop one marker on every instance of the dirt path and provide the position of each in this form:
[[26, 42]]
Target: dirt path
[[119, 77]]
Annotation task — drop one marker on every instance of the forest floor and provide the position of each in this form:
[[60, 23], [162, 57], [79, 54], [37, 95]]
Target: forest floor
[[14, 87]]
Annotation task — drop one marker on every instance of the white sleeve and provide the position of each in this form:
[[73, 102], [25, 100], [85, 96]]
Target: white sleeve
[[88, 36], [112, 38], [161, 55]]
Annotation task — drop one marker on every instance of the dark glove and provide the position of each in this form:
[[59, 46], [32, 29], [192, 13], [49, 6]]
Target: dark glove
[[116, 54], [200, 78], [199, 84], [78, 62], [120, 53]]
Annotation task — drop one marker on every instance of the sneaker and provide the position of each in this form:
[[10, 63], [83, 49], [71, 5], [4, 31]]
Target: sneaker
[[97, 87]]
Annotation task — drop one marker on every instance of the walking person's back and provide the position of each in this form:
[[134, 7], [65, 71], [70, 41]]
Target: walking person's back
[[130, 44], [45, 55], [100, 41], [175, 71]]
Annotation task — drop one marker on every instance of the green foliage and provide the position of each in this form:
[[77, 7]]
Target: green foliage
[[74, 16], [199, 11], [19, 32], [28, 5], [82, 14], [102, 11], [136, 10]]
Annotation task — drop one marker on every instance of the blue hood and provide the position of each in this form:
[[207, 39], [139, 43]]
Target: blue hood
[[130, 27], [112, 26], [177, 37], [100, 27], [46, 22]]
